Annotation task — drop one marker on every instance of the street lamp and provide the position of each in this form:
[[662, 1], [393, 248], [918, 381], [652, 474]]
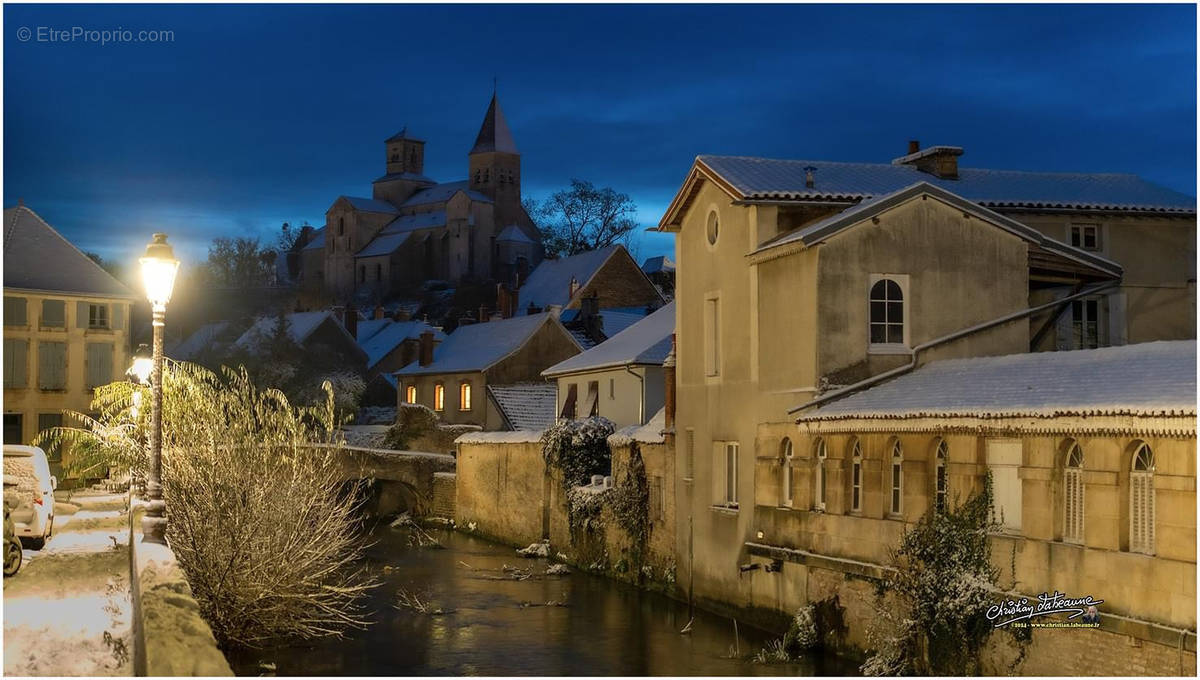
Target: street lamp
[[158, 275], [139, 374]]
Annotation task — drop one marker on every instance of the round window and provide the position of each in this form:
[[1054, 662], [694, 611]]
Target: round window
[[712, 227]]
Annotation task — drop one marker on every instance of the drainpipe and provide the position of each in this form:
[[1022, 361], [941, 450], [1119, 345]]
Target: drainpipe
[[843, 391], [641, 395]]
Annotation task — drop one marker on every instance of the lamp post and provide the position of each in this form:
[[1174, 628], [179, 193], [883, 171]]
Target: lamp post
[[158, 275]]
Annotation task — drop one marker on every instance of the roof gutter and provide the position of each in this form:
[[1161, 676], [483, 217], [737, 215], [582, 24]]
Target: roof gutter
[[844, 391]]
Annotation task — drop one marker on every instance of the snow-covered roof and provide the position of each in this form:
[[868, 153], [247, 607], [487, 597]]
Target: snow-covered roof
[[774, 179], [369, 204], [646, 342], [440, 193], [526, 406], [661, 263], [36, 257], [202, 338], [512, 437], [823, 229], [476, 347], [411, 176], [550, 281], [301, 325], [926, 152], [383, 340], [317, 241], [369, 327], [494, 134], [513, 233], [383, 244], [650, 433], [613, 321], [406, 223], [1151, 379]]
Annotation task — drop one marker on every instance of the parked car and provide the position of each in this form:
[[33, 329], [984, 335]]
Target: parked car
[[34, 515]]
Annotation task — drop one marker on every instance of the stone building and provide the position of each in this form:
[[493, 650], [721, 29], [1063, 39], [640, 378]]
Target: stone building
[[414, 229], [802, 281], [610, 275], [66, 328]]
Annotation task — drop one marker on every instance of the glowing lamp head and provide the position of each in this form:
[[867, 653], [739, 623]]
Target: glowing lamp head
[[158, 271], [143, 364]]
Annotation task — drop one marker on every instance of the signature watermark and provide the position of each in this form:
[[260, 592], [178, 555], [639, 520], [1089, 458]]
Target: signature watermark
[[1020, 613], [96, 36]]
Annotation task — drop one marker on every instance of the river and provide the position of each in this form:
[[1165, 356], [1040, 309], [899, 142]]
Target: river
[[496, 621]]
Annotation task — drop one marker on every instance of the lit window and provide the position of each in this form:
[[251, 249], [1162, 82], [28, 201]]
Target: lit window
[[897, 478], [939, 477], [410, 394], [439, 397], [1141, 500], [464, 396], [856, 467], [1086, 236], [820, 454], [785, 459], [1073, 495], [887, 313]]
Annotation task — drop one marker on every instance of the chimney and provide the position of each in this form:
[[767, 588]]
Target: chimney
[[572, 289], [533, 309], [351, 321], [425, 354], [913, 146], [483, 315], [590, 319], [669, 388], [379, 312], [808, 176], [939, 161]]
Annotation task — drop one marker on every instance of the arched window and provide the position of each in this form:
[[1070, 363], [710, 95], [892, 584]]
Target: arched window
[[439, 397], [856, 472], [819, 456], [410, 394], [464, 396], [887, 313], [1141, 500], [1073, 494], [341, 226], [897, 495], [939, 476], [785, 458]]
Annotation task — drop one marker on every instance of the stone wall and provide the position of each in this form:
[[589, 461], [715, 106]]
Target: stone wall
[[443, 494]]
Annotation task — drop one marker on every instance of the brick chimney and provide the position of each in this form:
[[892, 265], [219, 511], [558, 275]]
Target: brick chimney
[[669, 388], [425, 352], [939, 161], [351, 321], [572, 289]]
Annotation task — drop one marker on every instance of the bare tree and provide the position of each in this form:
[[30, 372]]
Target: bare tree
[[238, 263], [584, 218]]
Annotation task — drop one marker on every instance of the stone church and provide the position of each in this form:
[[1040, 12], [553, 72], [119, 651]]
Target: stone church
[[414, 229]]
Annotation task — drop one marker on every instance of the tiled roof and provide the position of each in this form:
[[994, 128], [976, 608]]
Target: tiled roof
[[36, 257], [646, 342], [549, 283], [513, 233], [1151, 379], [300, 326], [369, 204], [662, 263], [380, 343], [526, 406], [477, 347], [494, 134], [317, 241], [425, 220], [767, 178], [440, 193]]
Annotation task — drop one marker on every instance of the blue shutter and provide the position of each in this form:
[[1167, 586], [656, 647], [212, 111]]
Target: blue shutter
[[118, 316], [14, 312], [54, 314], [16, 363], [81, 315]]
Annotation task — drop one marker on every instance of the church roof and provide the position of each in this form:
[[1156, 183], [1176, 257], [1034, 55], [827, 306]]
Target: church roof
[[36, 257], [513, 233], [317, 241], [384, 244], [407, 223], [402, 134], [410, 176], [494, 134], [369, 204], [440, 193]]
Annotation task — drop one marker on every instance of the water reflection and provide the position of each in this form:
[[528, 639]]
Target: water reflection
[[497, 621]]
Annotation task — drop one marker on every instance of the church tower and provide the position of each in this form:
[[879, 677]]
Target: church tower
[[405, 158], [495, 167]]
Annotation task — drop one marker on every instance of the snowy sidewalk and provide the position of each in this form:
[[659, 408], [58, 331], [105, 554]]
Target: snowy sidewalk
[[67, 612]]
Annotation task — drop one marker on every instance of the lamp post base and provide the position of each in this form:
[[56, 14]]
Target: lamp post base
[[154, 529]]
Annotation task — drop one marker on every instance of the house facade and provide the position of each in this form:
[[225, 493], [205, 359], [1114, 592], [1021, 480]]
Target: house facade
[[66, 328]]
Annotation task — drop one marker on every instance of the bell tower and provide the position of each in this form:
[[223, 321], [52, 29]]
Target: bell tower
[[405, 154], [495, 165]]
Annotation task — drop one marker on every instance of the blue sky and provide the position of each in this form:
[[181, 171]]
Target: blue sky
[[259, 114]]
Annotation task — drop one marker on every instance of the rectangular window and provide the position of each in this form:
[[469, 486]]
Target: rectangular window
[[410, 394], [47, 421], [464, 396], [1085, 324], [54, 314], [1004, 462], [99, 364], [712, 335], [856, 487], [13, 423], [612, 388], [439, 397], [97, 316], [568, 409], [896, 490], [16, 363], [725, 474], [14, 311], [52, 366], [1086, 236], [689, 453]]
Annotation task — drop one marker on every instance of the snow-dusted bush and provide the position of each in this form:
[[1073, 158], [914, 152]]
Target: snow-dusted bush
[[579, 449], [801, 635]]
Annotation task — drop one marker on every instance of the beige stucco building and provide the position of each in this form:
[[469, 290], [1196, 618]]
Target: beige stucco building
[[66, 326]]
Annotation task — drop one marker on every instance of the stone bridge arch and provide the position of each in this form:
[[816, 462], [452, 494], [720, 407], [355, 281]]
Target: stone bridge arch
[[401, 480]]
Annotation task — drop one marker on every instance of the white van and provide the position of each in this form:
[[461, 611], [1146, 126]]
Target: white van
[[34, 516]]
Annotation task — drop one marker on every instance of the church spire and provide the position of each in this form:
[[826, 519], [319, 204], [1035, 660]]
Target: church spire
[[494, 134]]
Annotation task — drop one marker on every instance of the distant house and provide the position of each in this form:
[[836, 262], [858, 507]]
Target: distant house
[[207, 338], [620, 379], [661, 271], [391, 345], [609, 274], [314, 331], [524, 406], [65, 327], [453, 379]]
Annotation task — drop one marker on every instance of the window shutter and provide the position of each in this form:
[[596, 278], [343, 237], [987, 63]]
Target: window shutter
[[118, 316], [15, 363], [54, 314], [14, 311], [718, 473], [81, 315], [99, 363]]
